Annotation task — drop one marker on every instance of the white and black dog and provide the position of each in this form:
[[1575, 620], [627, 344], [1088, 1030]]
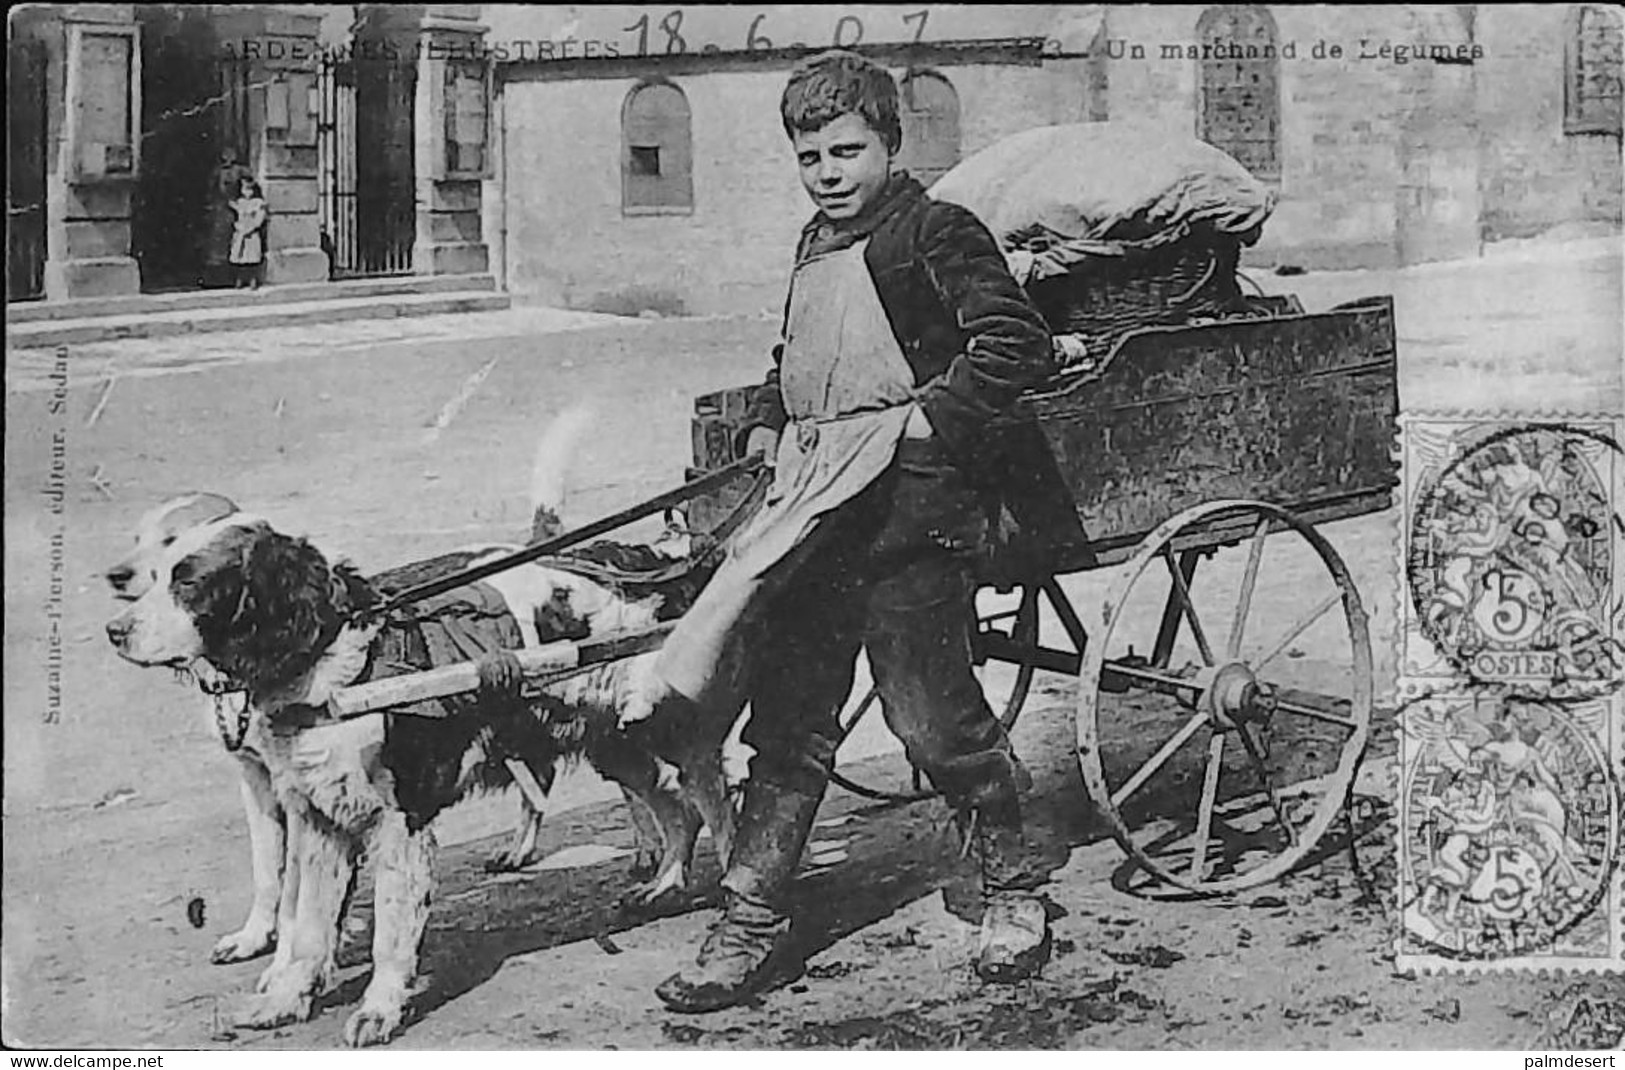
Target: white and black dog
[[133, 576], [277, 622]]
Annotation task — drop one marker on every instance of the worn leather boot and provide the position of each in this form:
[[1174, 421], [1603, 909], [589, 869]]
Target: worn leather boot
[[748, 948], [1014, 943]]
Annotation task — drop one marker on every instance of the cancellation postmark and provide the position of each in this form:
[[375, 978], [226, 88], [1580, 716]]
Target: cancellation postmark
[[1509, 828], [1512, 554]]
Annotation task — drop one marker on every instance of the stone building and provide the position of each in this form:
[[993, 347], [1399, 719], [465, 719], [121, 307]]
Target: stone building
[[630, 157], [642, 164], [365, 125]]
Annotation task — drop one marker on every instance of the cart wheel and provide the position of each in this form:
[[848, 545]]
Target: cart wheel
[[1010, 679], [1213, 770]]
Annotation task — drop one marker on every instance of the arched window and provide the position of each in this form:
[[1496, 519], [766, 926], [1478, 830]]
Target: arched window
[[930, 126], [1239, 86], [1591, 96], [657, 155]]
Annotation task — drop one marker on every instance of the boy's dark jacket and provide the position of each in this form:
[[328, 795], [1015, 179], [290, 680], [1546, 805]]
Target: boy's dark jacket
[[968, 330]]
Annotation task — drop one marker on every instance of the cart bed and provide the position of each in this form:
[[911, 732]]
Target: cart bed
[[1298, 410]]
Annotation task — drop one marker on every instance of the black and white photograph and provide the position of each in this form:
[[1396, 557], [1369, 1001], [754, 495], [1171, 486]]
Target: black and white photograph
[[878, 527]]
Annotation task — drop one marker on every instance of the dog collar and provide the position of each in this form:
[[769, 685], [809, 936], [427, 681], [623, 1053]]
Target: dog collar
[[230, 716], [219, 685], [229, 702]]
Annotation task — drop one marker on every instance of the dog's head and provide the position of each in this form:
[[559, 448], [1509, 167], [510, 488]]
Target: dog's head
[[131, 577], [258, 605]]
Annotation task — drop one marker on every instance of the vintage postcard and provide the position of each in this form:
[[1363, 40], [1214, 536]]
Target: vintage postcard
[[923, 526]]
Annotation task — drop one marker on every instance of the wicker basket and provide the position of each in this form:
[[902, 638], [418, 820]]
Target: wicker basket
[[1105, 298]]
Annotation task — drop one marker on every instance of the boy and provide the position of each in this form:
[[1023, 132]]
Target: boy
[[904, 336]]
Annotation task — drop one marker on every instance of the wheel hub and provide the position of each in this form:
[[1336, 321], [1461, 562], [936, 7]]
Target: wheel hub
[[1235, 696]]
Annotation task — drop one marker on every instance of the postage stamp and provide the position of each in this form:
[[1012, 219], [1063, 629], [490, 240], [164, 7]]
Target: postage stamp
[[1508, 819], [1512, 537]]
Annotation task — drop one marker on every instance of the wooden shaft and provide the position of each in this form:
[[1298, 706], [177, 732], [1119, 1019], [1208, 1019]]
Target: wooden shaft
[[446, 680], [539, 663]]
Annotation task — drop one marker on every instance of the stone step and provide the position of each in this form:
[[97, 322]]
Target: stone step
[[169, 324], [348, 289]]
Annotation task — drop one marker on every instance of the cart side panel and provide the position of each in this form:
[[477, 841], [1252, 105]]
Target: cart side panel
[[1298, 411], [715, 430]]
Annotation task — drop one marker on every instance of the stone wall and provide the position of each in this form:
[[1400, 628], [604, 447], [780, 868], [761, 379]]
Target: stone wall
[[1385, 159], [1533, 175], [567, 241]]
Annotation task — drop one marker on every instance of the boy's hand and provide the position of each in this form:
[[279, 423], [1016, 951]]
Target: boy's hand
[[918, 425]]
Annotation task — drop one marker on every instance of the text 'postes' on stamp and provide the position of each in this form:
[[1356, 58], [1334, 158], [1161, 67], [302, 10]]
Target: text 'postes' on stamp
[[1512, 548]]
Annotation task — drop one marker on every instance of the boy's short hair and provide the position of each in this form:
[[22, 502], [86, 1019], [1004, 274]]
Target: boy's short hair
[[835, 83]]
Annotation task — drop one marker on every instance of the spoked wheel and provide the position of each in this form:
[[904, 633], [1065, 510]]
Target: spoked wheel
[[1005, 681], [1219, 762]]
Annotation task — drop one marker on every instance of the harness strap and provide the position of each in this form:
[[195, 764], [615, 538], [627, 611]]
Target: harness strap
[[648, 579], [570, 538]]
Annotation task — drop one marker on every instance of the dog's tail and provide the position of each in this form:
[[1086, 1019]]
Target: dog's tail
[[554, 455]]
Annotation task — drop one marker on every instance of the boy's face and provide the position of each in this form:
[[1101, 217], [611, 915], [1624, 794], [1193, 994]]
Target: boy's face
[[844, 165]]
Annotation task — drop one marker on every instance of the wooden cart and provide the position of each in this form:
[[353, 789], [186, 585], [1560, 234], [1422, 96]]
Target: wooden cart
[[1218, 728], [1218, 725]]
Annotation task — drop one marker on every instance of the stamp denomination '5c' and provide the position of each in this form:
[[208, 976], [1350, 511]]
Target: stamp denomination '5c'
[[1512, 555], [1509, 825]]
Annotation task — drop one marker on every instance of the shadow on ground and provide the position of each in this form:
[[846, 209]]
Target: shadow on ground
[[892, 855]]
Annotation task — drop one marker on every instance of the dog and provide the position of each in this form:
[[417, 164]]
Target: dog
[[135, 573], [276, 618], [132, 577]]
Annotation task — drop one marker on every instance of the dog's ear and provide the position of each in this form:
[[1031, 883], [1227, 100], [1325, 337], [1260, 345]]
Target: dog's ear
[[286, 614], [210, 585]]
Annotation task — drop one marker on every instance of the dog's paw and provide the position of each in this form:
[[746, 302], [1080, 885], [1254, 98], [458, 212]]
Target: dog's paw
[[672, 885], [249, 942], [512, 859], [372, 1024], [269, 975], [272, 1009], [281, 974], [645, 863]]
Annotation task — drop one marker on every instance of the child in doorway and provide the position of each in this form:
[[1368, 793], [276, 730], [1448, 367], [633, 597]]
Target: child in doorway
[[248, 234], [904, 336]]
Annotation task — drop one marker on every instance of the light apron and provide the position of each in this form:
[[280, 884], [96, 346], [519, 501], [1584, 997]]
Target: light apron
[[247, 239], [848, 391]]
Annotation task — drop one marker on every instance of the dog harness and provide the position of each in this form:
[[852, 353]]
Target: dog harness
[[470, 621]]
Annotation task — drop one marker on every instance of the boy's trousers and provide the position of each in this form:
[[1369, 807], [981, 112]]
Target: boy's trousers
[[894, 574]]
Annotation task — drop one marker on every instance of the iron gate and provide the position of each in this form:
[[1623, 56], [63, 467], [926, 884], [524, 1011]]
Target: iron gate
[[25, 169], [365, 176]]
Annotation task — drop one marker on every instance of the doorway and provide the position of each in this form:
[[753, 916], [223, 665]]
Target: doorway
[[25, 168], [193, 111], [365, 172]]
